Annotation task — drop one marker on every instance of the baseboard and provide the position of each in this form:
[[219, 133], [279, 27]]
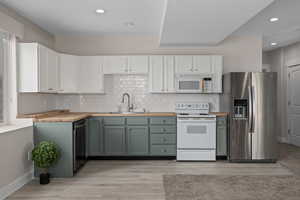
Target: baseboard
[[15, 185], [283, 140]]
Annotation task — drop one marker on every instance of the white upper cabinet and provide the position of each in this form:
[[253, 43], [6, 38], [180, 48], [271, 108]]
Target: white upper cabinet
[[115, 65], [184, 64], [91, 75], [198, 64], [161, 74], [138, 64], [38, 68], [69, 73], [217, 71], [125, 65], [202, 64]]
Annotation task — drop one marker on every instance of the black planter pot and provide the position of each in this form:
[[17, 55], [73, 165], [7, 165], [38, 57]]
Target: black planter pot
[[44, 178]]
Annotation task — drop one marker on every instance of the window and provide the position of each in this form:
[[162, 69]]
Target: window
[[4, 40]]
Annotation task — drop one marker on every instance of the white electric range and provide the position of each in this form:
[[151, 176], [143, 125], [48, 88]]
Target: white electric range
[[196, 132]]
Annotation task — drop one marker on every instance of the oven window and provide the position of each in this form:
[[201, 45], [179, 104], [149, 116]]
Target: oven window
[[197, 129], [189, 85]]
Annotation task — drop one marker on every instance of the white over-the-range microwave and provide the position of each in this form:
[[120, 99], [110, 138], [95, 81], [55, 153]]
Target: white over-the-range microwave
[[194, 83]]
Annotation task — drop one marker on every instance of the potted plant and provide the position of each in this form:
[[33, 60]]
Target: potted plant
[[45, 155]]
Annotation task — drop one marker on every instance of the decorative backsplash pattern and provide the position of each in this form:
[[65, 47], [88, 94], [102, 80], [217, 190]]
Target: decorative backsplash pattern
[[137, 87]]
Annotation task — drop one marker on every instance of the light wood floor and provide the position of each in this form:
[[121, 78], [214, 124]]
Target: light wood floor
[[118, 180]]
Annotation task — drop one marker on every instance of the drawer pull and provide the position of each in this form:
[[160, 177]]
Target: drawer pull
[[164, 150], [164, 121]]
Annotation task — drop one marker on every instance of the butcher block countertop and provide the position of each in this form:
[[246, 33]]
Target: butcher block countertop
[[66, 116]]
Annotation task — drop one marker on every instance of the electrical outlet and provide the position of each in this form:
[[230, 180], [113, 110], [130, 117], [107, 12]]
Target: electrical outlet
[[29, 156]]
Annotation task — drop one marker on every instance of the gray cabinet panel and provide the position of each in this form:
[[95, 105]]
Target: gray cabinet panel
[[95, 137], [162, 120], [137, 120], [114, 137], [114, 121], [163, 150], [222, 136], [137, 140], [163, 138], [162, 129], [62, 134]]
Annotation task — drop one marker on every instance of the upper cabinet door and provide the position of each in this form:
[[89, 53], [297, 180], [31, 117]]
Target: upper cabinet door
[[202, 64], [156, 74], [138, 64], [184, 64], [217, 70], [91, 75], [169, 73], [69, 67], [115, 65], [43, 68], [52, 71]]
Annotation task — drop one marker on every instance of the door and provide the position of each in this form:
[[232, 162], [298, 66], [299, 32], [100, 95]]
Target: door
[[91, 77], [52, 71], [137, 140], [293, 97], [115, 65], [138, 64], [169, 74], [202, 64], [69, 66], [184, 64], [240, 136], [114, 140], [43, 68], [264, 137], [196, 133], [156, 74], [95, 137]]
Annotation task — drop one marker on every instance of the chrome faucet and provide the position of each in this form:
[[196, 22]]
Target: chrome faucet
[[129, 106]]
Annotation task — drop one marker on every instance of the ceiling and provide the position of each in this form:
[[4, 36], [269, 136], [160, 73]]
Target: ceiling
[[283, 32], [176, 22], [206, 22]]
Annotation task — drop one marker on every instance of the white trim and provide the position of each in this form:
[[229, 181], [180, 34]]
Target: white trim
[[282, 140], [16, 185], [293, 62]]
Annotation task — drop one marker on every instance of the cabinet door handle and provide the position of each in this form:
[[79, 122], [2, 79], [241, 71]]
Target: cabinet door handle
[[50, 89]]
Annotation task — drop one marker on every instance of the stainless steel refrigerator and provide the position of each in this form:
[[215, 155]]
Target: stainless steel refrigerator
[[250, 98]]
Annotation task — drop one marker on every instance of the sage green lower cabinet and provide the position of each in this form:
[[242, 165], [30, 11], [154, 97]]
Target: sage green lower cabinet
[[95, 137], [115, 142], [222, 136], [62, 134], [137, 140]]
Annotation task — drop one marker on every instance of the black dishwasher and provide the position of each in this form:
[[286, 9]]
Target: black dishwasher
[[79, 145]]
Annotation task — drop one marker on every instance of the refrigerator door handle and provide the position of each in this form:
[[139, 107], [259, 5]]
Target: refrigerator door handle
[[250, 109], [253, 110]]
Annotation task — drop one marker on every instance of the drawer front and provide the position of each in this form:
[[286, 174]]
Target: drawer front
[[137, 120], [162, 129], [162, 120], [163, 150], [114, 121], [163, 139]]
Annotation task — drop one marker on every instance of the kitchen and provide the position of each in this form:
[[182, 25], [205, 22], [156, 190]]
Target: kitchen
[[122, 102]]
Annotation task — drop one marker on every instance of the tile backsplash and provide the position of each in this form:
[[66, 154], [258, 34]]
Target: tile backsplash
[[137, 87]]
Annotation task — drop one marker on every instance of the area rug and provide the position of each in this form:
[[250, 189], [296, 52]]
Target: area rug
[[216, 187]]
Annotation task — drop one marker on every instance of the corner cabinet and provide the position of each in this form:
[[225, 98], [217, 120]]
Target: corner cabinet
[[38, 67]]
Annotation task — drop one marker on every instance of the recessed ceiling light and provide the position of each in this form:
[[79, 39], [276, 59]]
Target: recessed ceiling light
[[273, 44], [129, 24], [100, 11], [274, 19]]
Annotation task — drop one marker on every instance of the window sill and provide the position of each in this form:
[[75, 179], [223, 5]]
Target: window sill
[[19, 124]]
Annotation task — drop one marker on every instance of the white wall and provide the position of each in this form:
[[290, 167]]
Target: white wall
[[279, 61], [15, 166]]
